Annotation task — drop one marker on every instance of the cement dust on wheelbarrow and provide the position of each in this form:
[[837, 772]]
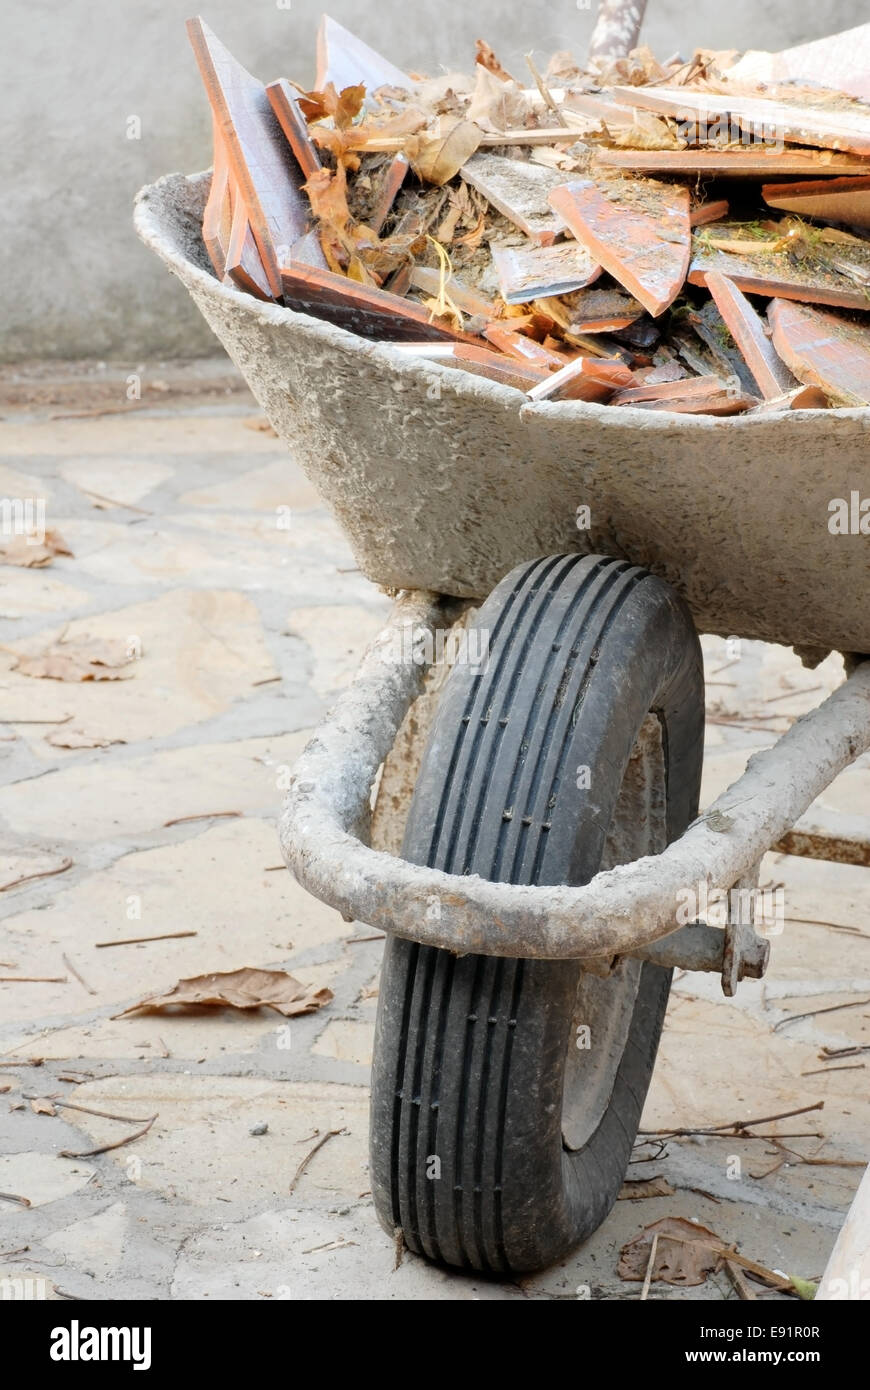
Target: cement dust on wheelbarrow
[[473, 209]]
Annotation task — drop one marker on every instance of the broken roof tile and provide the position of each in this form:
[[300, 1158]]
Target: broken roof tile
[[780, 274], [799, 398], [680, 388], [478, 361], [717, 399], [217, 219], [428, 279], [527, 273], [285, 104], [704, 213], [389, 183], [638, 229], [752, 161], [261, 161], [823, 350], [345, 60], [829, 200], [244, 267], [770, 121], [586, 379], [494, 366], [601, 311], [748, 331], [518, 190], [373, 313], [521, 348], [840, 61]]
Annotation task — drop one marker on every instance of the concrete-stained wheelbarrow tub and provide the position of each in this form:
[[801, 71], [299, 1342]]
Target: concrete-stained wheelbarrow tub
[[539, 684]]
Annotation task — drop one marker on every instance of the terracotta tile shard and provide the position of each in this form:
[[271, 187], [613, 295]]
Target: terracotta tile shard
[[829, 200], [704, 213], [801, 398], [428, 279], [518, 190], [841, 61], [599, 108], [390, 183], [823, 350], [686, 388], [244, 267], [771, 375], [260, 159], [721, 400], [285, 104], [638, 229], [372, 313], [595, 344], [704, 343], [525, 274], [780, 275], [345, 60], [769, 121], [587, 379], [498, 368], [523, 349], [757, 161], [600, 311], [217, 219]]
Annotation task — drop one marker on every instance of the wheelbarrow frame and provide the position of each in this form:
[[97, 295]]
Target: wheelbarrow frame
[[628, 910]]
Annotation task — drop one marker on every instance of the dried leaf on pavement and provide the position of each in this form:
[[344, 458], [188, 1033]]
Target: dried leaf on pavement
[[79, 738], [634, 1188], [248, 988], [41, 1105], [684, 1261], [81, 659], [32, 551]]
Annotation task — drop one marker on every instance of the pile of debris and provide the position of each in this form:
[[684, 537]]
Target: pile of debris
[[592, 235]]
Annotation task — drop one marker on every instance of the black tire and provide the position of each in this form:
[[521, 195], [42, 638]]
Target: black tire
[[497, 1144]]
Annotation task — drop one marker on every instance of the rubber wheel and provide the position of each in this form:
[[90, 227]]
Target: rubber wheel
[[507, 1093]]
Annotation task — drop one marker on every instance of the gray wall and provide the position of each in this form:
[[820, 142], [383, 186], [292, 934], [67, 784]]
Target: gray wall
[[76, 282]]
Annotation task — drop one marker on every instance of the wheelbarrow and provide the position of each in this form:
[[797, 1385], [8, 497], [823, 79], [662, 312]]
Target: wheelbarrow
[[564, 556]]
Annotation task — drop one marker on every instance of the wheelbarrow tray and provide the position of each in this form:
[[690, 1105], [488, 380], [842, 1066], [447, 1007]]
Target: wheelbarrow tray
[[444, 481]]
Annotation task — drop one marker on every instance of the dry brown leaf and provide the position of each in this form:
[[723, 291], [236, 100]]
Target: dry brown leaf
[[563, 68], [487, 59], [248, 988], [327, 193], [497, 105], [33, 552], [342, 143], [635, 1188], [683, 1262], [436, 158], [645, 134], [80, 659], [79, 738], [41, 1105], [637, 70], [340, 107]]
